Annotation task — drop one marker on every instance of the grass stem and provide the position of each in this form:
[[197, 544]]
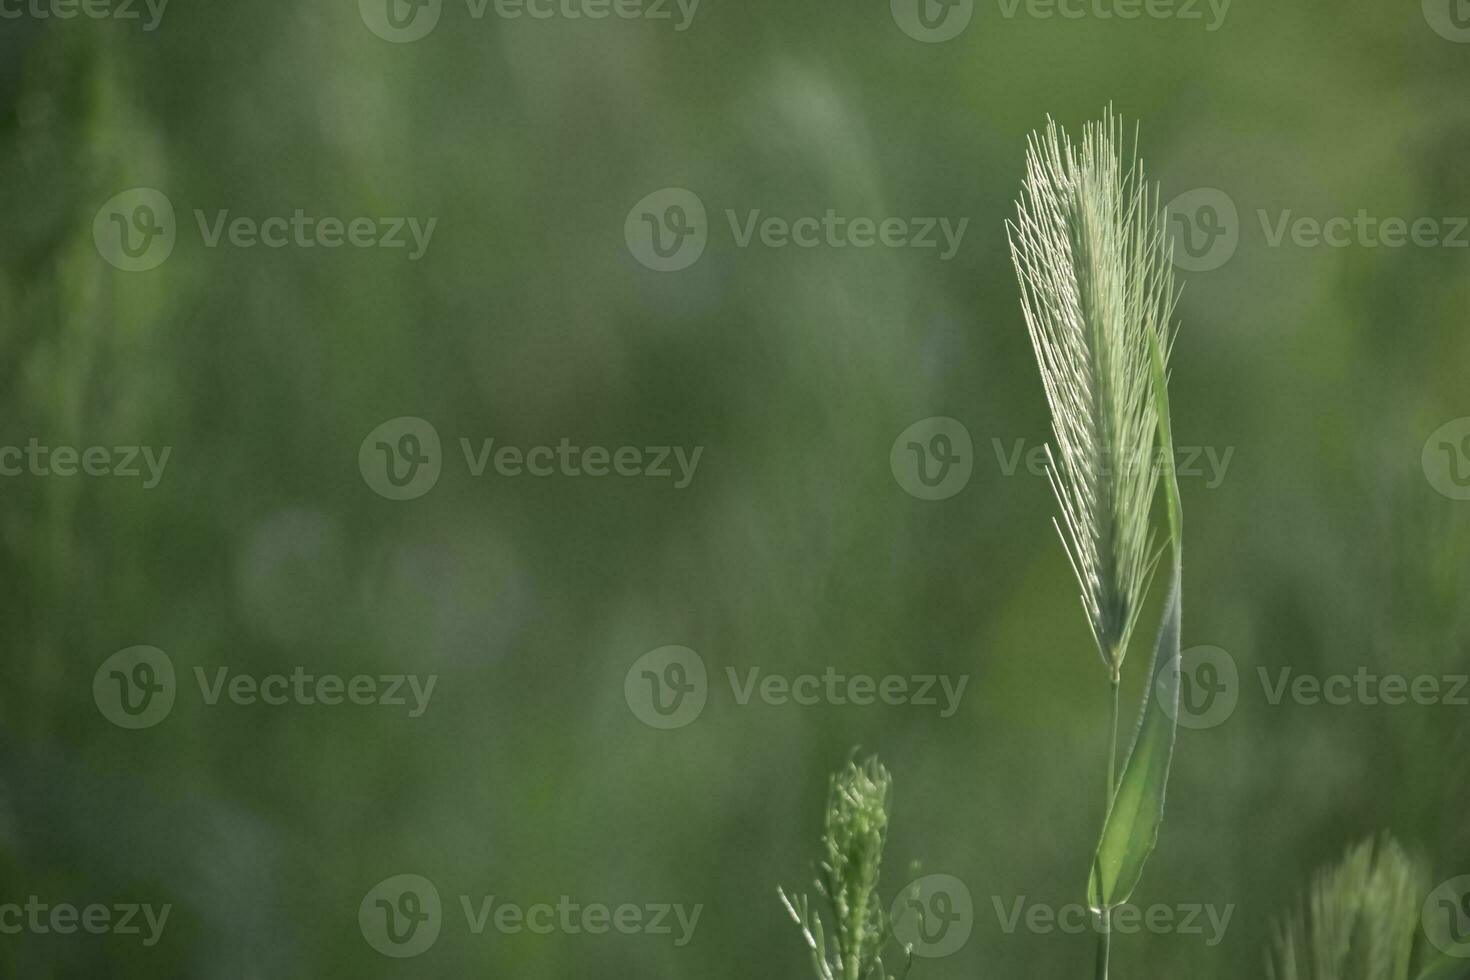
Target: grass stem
[[1114, 682], [1105, 932]]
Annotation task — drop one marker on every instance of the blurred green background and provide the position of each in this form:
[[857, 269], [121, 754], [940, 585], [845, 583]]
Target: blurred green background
[[1325, 547]]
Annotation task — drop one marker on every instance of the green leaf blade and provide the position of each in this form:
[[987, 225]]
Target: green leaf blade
[[1132, 826]]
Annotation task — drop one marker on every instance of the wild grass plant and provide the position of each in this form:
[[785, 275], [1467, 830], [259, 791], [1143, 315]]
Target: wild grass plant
[[1094, 263], [1097, 291], [1360, 920], [847, 931], [1093, 260]]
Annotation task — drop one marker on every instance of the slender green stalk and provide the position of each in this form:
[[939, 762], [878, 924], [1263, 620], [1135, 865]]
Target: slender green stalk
[[1114, 683], [1105, 934]]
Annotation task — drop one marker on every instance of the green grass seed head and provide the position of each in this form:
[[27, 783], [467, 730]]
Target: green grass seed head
[[1358, 922], [854, 831], [1096, 276]]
